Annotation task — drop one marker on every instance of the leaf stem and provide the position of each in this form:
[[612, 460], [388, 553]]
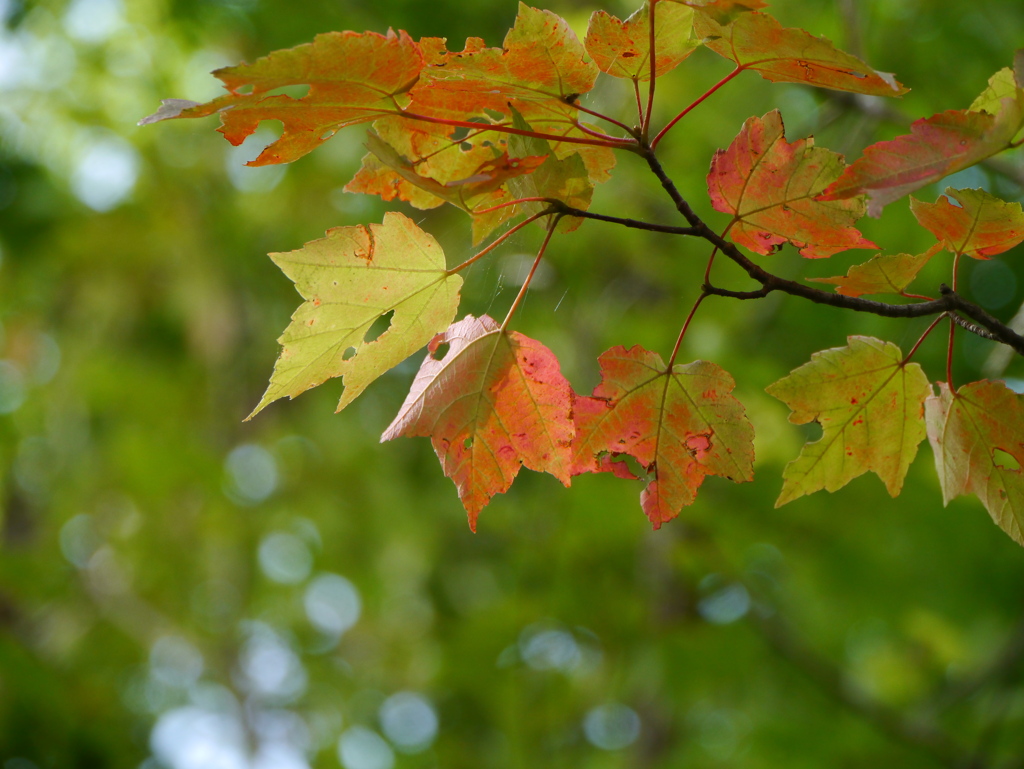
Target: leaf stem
[[646, 125], [949, 356], [711, 259], [952, 330], [639, 103], [506, 204], [526, 283], [601, 116], [924, 336], [604, 140], [682, 331], [501, 239], [701, 98]]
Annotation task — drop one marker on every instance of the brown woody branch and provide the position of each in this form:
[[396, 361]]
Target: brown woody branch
[[950, 301]]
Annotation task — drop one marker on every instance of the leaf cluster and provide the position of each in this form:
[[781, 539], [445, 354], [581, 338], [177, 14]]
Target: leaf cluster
[[504, 135]]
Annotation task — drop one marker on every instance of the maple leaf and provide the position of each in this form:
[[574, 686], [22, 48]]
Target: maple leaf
[[349, 280], [870, 406], [789, 55], [981, 226], [493, 402], [969, 433], [473, 178], [770, 186], [681, 425], [541, 60], [563, 179], [622, 48], [937, 146], [881, 274], [541, 71], [352, 78]]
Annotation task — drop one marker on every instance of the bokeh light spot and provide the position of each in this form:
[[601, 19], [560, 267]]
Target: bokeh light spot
[[409, 721], [285, 558], [362, 748], [612, 726]]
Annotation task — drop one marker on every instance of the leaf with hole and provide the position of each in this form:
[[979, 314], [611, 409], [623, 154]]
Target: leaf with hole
[[978, 439], [350, 279], [680, 425], [493, 402], [870, 406]]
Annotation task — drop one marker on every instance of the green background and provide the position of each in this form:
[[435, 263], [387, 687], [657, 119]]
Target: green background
[[177, 586]]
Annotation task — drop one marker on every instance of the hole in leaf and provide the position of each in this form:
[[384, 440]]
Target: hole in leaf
[[382, 324], [245, 90], [468, 442], [295, 91], [459, 134], [441, 351], [494, 114], [327, 135], [632, 465], [1004, 460], [348, 353], [465, 146]]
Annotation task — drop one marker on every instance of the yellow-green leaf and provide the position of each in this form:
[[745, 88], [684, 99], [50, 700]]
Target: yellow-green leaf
[[350, 279], [881, 274], [870, 406], [563, 179]]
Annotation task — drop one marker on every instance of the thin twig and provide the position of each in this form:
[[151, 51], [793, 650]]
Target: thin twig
[[631, 223]]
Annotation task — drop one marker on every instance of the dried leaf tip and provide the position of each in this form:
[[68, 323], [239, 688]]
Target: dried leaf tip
[[169, 108]]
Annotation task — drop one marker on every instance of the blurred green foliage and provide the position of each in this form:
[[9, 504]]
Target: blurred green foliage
[[181, 589]]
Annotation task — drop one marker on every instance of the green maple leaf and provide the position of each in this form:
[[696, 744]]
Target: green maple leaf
[[870, 405], [349, 280]]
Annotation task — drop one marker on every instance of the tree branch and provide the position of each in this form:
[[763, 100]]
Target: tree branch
[[949, 302], [635, 224]]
